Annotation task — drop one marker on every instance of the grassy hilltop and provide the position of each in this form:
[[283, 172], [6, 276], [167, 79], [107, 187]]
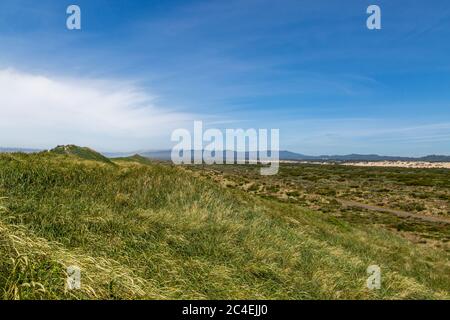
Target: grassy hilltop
[[77, 152], [139, 229]]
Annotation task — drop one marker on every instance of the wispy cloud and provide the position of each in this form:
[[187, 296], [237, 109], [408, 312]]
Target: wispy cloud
[[41, 111]]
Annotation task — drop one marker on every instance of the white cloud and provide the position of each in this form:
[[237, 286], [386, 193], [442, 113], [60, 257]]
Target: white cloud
[[38, 111]]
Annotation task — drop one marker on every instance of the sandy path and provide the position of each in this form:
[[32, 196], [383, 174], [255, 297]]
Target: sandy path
[[399, 213]]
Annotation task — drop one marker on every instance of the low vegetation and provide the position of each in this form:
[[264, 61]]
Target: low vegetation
[[325, 188]]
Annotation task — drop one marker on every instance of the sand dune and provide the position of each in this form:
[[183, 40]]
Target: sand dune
[[400, 164]]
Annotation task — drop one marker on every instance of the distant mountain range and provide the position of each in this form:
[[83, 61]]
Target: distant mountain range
[[284, 155], [288, 155], [24, 150]]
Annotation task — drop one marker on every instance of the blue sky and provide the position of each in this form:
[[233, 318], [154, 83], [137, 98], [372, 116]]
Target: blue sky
[[312, 69]]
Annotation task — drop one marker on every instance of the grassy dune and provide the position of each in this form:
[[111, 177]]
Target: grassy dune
[[154, 231]]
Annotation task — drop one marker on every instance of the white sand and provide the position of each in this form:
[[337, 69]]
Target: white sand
[[400, 164]]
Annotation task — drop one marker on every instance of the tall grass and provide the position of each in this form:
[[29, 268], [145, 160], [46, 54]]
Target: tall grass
[[154, 231]]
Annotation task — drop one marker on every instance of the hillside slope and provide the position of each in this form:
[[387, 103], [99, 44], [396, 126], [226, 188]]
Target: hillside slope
[[80, 152], [150, 231]]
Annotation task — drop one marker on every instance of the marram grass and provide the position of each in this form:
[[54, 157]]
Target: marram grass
[[153, 231]]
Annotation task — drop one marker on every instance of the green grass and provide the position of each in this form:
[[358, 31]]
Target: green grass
[[146, 230], [80, 153]]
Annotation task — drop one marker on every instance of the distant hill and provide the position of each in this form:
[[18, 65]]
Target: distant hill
[[152, 154], [288, 155], [436, 158], [166, 155], [135, 158], [24, 150], [375, 157], [80, 152]]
